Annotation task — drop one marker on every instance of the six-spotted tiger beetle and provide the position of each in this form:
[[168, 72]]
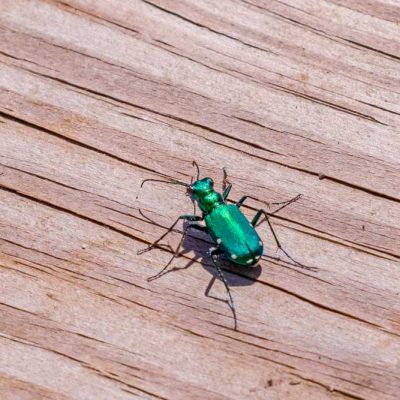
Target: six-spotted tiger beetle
[[235, 237]]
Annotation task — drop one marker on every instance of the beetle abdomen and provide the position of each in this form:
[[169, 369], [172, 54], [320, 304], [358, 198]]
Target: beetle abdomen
[[234, 234]]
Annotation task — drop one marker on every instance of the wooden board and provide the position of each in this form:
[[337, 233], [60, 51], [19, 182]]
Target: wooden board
[[292, 97]]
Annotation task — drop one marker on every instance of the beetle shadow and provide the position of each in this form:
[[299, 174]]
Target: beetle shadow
[[200, 243]]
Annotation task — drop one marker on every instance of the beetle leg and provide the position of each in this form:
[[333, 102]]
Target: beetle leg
[[243, 199], [254, 223], [213, 253], [285, 203], [226, 192], [176, 252], [185, 217], [226, 185]]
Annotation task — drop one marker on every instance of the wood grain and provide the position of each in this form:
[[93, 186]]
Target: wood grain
[[292, 97]]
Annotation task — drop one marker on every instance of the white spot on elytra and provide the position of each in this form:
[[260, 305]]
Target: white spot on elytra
[[249, 261], [258, 257], [219, 241], [233, 256], [260, 243]]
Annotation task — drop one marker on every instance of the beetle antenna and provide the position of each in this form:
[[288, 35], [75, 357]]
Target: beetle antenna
[[198, 169], [173, 182]]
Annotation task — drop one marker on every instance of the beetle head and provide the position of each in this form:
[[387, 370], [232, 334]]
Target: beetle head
[[200, 188]]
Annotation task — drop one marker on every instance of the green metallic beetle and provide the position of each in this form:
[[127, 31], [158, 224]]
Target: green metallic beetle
[[233, 234]]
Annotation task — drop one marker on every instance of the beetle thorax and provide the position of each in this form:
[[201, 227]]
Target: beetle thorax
[[208, 201], [206, 197]]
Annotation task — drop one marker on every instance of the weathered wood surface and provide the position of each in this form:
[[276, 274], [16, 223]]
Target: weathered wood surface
[[98, 95]]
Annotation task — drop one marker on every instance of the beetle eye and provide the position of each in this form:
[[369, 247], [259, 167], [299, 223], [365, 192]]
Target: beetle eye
[[211, 181]]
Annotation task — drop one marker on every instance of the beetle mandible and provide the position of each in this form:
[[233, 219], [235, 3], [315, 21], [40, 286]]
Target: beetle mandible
[[234, 236]]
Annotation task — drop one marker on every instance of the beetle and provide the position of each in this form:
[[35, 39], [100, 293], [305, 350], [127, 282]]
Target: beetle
[[233, 234]]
